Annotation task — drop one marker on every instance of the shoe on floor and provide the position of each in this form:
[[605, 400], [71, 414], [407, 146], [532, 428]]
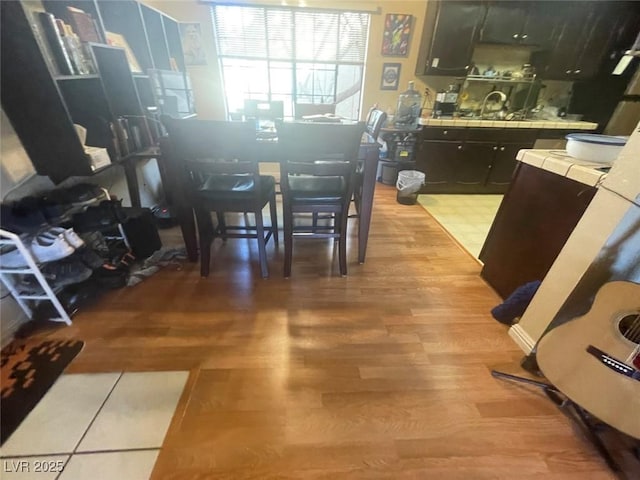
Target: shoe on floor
[[46, 248], [69, 235]]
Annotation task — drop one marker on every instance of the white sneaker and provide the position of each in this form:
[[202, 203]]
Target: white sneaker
[[46, 248], [69, 235]]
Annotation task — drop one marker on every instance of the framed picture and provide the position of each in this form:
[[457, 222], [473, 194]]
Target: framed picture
[[192, 47], [390, 76], [397, 32]]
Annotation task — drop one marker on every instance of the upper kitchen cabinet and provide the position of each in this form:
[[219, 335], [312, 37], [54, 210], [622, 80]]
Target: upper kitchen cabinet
[[524, 23], [584, 39], [449, 37]]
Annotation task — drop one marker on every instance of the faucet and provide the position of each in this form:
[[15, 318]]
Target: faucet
[[501, 95]]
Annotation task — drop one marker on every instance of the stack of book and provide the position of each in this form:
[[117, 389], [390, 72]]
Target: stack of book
[[68, 41]]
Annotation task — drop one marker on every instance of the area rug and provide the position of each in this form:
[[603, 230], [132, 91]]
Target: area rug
[[27, 371]]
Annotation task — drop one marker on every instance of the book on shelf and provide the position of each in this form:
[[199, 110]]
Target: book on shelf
[[56, 43], [83, 25]]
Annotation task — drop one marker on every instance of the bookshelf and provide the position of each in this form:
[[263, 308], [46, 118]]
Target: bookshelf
[[44, 94]]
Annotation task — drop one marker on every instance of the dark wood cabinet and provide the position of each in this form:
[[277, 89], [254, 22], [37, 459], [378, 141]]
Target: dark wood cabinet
[[470, 160], [536, 217], [438, 160], [569, 40], [43, 104], [472, 167], [504, 22], [449, 39], [584, 39], [517, 22]]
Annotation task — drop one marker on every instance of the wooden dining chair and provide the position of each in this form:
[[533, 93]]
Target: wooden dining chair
[[219, 173], [316, 177], [374, 123]]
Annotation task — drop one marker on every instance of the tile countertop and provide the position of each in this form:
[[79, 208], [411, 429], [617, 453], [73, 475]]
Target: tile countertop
[[463, 122], [560, 163]]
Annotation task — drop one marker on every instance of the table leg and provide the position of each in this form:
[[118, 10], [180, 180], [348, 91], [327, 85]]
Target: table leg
[[132, 182], [366, 207]]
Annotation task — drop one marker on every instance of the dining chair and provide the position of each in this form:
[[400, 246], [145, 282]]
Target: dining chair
[[219, 173], [373, 124], [316, 177], [306, 109]]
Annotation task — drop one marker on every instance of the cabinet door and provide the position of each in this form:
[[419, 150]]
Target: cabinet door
[[504, 22], [437, 160], [454, 37], [541, 25], [599, 36], [473, 165], [504, 163]]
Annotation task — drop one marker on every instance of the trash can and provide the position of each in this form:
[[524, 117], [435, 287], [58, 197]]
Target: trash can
[[409, 184]]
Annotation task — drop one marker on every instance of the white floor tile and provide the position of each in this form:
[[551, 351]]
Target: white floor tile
[[138, 412], [132, 465], [59, 420], [32, 468], [467, 218]]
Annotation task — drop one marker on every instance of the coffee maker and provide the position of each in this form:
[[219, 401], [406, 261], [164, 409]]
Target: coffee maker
[[446, 101]]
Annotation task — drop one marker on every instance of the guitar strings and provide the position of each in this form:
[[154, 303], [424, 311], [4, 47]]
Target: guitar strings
[[634, 331]]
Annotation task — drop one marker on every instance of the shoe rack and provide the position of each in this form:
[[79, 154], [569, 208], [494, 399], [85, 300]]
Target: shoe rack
[[47, 294]]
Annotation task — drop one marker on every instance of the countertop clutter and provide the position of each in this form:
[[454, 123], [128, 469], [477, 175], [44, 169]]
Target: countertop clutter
[[546, 124], [560, 163]]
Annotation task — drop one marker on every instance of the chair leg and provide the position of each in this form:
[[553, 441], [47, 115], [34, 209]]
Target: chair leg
[[206, 234], [342, 244], [274, 218], [262, 251], [288, 241], [222, 225]]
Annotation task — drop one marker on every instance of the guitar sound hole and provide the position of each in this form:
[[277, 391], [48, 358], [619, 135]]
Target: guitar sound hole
[[629, 327]]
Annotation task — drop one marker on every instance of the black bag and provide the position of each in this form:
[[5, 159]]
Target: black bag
[[141, 232]]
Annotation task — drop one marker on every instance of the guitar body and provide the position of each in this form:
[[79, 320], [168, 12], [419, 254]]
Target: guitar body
[[562, 357]]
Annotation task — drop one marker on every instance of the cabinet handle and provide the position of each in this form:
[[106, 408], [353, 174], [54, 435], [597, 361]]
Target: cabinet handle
[[515, 35], [525, 36], [459, 147], [568, 72], [502, 149], [495, 148], [445, 132], [577, 71]]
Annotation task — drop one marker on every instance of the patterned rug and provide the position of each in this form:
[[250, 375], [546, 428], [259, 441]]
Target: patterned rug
[[27, 371]]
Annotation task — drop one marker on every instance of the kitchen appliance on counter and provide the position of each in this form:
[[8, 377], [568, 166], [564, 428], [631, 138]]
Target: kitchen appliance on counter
[[446, 101]]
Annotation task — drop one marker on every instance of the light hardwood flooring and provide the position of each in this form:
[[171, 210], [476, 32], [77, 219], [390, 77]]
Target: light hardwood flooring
[[382, 374]]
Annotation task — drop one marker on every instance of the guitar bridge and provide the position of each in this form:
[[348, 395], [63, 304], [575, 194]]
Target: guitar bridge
[[613, 363]]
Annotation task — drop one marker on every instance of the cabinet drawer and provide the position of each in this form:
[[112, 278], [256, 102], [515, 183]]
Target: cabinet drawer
[[518, 135], [439, 133]]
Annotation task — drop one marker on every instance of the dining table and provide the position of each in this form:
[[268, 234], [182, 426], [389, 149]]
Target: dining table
[[268, 151]]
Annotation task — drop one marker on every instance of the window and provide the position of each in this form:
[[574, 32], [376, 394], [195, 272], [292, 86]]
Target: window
[[293, 55]]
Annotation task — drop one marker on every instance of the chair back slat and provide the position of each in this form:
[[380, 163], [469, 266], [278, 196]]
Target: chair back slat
[[300, 140], [375, 121], [194, 139]]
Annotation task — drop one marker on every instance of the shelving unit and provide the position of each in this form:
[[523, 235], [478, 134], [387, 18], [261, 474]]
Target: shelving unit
[[8, 238], [43, 105]]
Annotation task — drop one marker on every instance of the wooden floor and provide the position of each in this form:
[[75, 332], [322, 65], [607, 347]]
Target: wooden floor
[[382, 374]]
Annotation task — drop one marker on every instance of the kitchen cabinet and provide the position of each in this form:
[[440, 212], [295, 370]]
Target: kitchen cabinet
[[583, 40], [536, 217], [43, 102], [470, 160], [512, 22], [449, 38]]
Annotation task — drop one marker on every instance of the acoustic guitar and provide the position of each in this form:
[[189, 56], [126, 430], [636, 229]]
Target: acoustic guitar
[[595, 359]]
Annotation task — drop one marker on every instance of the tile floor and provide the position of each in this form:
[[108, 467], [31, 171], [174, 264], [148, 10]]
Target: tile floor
[[98, 426], [466, 217]]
